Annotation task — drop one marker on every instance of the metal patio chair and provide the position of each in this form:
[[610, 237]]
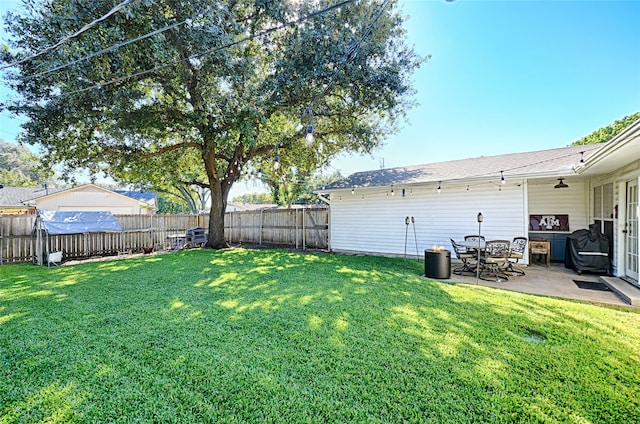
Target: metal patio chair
[[495, 260], [518, 246], [473, 239], [469, 261]]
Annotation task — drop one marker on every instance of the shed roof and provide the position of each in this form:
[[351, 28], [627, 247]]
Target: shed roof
[[77, 222], [18, 196], [141, 196], [542, 163]]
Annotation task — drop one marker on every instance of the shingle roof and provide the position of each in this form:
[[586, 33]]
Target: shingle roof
[[141, 196], [560, 161], [19, 196]]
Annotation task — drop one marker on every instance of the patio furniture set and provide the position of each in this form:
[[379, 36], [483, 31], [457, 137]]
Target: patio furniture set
[[491, 260]]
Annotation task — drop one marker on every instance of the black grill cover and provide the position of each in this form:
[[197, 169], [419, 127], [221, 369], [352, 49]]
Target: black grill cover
[[587, 250], [196, 235]]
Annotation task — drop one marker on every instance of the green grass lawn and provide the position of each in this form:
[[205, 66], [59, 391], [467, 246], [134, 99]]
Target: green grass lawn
[[273, 336]]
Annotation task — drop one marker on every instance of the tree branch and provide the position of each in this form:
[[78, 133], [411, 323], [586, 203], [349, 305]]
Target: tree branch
[[166, 149]]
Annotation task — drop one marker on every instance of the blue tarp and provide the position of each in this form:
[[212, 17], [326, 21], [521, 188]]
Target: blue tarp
[[77, 222]]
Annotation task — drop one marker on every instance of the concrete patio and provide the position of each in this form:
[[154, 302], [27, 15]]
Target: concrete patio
[[558, 281]]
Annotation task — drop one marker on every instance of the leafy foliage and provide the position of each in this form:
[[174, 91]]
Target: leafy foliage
[[298, 188], [605, 134], [254, 198], [19, 167], [250, 336], [195, 105]]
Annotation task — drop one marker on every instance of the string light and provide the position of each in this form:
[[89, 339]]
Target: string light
[[276, 160], [502, 178], [309, 136], [204, 53]]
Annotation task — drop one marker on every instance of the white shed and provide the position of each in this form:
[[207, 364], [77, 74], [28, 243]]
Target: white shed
[[90, 197]]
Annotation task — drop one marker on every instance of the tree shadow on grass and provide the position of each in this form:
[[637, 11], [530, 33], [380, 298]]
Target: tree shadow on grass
[[280, 336]]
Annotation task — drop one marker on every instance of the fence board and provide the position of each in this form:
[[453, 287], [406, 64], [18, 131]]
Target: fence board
[[300, 228]]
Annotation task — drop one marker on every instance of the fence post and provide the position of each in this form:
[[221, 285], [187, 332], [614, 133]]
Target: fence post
[[295, 220], [304, 229], [261, 225]]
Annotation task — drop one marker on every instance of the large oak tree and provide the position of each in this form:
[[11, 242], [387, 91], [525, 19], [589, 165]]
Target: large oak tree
[[217, 89]]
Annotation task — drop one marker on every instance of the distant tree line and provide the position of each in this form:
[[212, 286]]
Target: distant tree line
[[605, 134], [19, 167]]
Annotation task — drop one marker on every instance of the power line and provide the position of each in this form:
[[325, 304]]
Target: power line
[[110, 48], [117, 46], [206, 52], [69, 37], [351, 53]]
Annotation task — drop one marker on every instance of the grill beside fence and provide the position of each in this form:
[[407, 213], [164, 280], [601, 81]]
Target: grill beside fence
[[300, 228]]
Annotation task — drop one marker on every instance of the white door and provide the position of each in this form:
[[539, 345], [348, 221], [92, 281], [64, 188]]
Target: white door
[[631, 231]]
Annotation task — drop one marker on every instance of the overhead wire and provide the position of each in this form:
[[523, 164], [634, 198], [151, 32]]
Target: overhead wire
[[351, 53], [116, 46], [85, 28], [213, 50], [111, 48]]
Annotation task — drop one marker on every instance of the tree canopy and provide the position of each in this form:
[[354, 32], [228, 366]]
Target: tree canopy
[[604, 134], [19, 167], [196, 93]]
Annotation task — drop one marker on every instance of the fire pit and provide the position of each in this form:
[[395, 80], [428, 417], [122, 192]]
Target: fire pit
[[437, 263]]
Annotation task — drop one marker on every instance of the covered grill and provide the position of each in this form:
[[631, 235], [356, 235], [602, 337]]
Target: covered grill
[[195, 237], [588, 250]]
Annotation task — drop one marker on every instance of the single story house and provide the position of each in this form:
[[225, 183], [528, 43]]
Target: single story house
[[544, 194], [88, 197]]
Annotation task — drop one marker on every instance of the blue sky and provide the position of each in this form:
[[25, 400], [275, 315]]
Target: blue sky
[[504, 77], [512, 76]]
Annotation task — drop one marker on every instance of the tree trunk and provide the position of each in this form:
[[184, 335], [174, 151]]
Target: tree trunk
[[216, 218], [216, 238]]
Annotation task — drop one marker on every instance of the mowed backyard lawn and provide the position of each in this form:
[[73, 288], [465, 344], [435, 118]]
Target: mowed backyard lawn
[[273, 336]]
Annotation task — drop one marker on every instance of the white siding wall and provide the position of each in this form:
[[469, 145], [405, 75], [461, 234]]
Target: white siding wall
[[572, 201], [376, 223], [90, 199]]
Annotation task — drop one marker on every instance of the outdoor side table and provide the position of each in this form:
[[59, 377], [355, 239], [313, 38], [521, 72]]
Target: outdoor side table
[[540, 247]]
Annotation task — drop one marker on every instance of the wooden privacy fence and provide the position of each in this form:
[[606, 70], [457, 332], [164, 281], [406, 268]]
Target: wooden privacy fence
[[300, 228]]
